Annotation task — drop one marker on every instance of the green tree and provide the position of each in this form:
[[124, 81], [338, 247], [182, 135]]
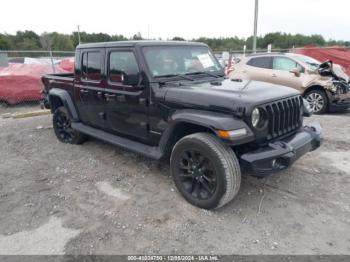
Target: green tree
[[137, 36], [26, 40], [177, 38], [5, 42]]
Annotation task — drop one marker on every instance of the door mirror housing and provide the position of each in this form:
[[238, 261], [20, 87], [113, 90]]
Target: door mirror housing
[[132, 79], [295, 71]]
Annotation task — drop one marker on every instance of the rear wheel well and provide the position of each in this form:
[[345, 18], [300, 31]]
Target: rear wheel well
[[55, 102], [181, 130]]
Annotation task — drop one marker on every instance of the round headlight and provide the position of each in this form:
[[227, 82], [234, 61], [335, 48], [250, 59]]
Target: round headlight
[[255, 117]]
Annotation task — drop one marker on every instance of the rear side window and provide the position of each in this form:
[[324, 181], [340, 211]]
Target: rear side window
[[122, 64], [262, 62], [91, 66]]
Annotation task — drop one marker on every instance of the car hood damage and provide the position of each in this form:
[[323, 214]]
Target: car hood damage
[[329, 69]]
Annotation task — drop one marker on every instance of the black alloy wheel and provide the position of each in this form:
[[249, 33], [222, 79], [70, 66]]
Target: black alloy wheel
[[63, 128], [205, 170], [197, 174]]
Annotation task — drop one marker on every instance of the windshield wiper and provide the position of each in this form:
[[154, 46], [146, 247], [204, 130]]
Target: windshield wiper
[[204, 72], [176, 75]]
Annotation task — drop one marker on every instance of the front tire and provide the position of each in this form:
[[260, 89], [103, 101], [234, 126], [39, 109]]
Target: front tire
[[318, 101], [63, 128], [205, 170]]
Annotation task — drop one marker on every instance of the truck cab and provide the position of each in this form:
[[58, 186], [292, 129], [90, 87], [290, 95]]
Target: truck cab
[[171, 100]]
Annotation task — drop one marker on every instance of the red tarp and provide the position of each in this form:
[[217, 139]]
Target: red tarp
[[338, 55], [67, 64], [22, 82]]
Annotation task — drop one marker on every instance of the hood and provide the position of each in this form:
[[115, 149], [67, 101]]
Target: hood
[[228, 96], [339, 72], [327, 68]]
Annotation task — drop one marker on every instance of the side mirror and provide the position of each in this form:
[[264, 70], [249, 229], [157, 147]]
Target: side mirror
[[295, 71], [132, 79]]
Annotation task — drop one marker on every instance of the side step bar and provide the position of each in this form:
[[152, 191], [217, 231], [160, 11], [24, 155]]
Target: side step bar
[[148, 151]]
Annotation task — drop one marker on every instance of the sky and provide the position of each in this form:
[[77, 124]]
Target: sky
[[185, 18]]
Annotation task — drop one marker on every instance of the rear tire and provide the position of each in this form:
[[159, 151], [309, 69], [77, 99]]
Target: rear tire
[[318, 101], [63, 129], [205, 170]]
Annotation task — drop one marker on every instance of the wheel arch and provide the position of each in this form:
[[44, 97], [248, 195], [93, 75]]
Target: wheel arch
[[58, 97], [314, 87], [186, 122], [178, 130]]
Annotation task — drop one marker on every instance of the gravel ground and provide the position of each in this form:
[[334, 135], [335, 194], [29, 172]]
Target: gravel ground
[[98, 199]]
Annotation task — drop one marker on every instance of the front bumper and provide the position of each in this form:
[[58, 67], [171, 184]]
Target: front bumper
[[339, 102], [339, 105], [282, 154]]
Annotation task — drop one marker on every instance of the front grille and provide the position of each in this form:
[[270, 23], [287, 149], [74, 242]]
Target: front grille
[[284, 116]]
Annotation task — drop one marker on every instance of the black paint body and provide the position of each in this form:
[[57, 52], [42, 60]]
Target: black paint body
[[156, 113]]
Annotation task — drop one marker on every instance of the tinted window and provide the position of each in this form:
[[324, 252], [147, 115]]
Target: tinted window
[[262, 62], [122, 64], [285, 64], [91, 66]]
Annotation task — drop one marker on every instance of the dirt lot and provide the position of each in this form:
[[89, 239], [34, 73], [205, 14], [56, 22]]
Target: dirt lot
[[98, 199]]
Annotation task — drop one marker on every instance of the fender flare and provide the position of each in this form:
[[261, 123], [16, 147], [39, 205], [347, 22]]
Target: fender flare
[[66, 100], [211, 120]]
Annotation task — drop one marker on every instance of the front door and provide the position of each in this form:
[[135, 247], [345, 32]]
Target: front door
[[90, 89], [282, 74], [126, 99]]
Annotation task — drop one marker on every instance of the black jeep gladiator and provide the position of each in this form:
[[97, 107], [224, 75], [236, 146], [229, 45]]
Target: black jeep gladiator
[[171, 100]]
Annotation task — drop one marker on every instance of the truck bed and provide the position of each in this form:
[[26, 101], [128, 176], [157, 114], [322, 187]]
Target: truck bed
[[60, 76], [61, 81]]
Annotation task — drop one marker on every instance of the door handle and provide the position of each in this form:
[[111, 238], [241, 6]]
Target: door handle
[[109, 95], [142, 101], [99, 94], [274, 75], [84, 91]]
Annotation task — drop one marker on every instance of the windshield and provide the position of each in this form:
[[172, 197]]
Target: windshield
[[180, 60], [312, 63]]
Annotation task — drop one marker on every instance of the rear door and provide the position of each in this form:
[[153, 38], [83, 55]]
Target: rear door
[[281, 72], [126, 105], [90, 89], [259, 69]]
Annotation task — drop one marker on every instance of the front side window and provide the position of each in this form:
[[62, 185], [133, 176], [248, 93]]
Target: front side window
[[312, 63], [261, 62], [285, 64], [122, 64], [91, 66], [180, 60]]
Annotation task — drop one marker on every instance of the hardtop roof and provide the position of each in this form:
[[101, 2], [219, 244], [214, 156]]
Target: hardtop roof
[[137, 43]]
